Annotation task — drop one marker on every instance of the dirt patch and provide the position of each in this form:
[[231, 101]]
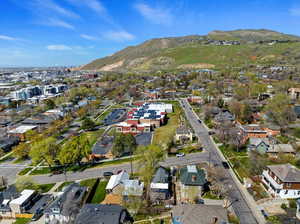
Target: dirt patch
[[111, 67]]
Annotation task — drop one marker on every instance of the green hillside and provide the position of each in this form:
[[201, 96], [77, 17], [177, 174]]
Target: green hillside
[[198, 51]]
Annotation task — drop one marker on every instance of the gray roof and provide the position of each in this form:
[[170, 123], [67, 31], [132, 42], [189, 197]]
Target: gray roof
[[182, 130], [287, 148], [286, 172], [68, 204], [161, 175], [257, 141], [199, 214], [102, 214]]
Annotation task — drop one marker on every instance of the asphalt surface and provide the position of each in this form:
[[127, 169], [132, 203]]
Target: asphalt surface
[[240, 207]]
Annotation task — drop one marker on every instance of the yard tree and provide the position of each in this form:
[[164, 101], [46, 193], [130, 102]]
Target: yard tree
[[123, 143], [45, 149], [236, 108], [88, 123], [149, 158], [21, 151], [50, 104], [257, 88], [279, 110]]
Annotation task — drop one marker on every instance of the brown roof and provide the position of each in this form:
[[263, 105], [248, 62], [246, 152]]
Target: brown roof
[[286, 172]]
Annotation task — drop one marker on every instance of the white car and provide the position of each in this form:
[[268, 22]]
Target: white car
[[180, 155]]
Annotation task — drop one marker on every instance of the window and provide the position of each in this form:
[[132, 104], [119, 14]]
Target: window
[[286, 191], [288, 184], [119, 129]]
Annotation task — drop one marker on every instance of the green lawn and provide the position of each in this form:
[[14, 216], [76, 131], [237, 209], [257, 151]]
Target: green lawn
[[7, 158], [22, 221], [100, 192], [25, 171], [60, 188], [164, 134], [45, 187], [40, 171]]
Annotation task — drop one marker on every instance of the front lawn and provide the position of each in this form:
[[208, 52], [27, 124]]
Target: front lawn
[[100, 192], [25, 171], [44, 188], [22, 221]]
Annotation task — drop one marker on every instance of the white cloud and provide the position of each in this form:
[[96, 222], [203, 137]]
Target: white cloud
[[59, 47], [58, 23], [88, 37], [155, 15], [4, 37], [118, 36], [52, 6], [295, 11]]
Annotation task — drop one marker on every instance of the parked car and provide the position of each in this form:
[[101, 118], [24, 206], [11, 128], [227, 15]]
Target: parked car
[[264, 213], [211, 133], [38, 214], [225, 165], [180, 155], [108, 174], [200, 121]]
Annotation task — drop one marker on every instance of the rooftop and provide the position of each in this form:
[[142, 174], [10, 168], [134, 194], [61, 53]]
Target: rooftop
[[286, 172]]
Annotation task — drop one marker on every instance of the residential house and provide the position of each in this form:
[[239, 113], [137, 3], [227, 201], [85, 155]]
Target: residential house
[[102, 214], [199, 214], [192, 183], [21, 131], [282, 181], [24, 202], [224, 116], [65, 207], [115, 183], [5, 197], [102, 148], [260, 145], [183, 134], [160, 185]]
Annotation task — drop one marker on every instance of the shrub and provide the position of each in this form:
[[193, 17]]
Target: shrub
[[283, 206], [292, 204]]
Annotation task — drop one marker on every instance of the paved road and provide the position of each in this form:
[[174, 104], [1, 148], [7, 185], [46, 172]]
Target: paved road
[[241, 207], [9, 170]]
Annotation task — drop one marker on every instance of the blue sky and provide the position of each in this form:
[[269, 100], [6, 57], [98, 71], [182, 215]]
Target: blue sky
[[74, 32]]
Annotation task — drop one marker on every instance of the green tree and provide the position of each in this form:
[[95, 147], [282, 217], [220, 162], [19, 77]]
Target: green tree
[[50, 104], [45, 149], [279, 110], [87, 123], [123, 143], [149, 158], [21, 151]]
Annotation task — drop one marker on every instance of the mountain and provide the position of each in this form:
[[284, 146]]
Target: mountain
[[216, 49]]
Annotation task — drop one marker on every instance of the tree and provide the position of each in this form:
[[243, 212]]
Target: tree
[[50, 104], [123, 143], [149, 158], [45, 149], [21, 151], [75, 150], [88, 123], [25, 182], [279, 110], [236, 108]]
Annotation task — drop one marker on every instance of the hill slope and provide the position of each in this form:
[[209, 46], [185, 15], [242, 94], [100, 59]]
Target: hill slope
[[203, 52]]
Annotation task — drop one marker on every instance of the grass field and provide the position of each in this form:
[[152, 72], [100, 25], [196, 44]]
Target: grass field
[[164, 134], [25, 171], [45, 187]]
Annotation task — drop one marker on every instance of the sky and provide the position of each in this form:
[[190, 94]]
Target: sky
[[75, 32]]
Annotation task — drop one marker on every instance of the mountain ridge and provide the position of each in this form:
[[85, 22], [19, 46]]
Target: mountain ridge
[[155, 54]]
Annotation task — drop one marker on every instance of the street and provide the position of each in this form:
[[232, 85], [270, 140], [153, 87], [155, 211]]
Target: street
[[241, 207]]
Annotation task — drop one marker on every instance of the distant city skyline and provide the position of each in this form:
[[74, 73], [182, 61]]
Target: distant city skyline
[[75, 32]]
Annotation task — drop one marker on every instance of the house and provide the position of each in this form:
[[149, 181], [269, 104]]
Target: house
[[260, 145], [115, 183], [273, 150], [192, 183], [21, 131], [24, 202], [282, 181], [183, 134], [102, 148], [66, 206], [160, 185], [102, 214], [294, 93], [224, 116], [5, 197], [199, 214], [256, 131], [133, 188]]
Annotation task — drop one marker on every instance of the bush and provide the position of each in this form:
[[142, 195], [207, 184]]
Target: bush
[[283, 206], [292, 204]]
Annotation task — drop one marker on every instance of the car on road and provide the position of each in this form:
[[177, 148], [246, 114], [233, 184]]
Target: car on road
[[225, 165], [264, 213], [211, 132], [200, 121], [38, 214], [108, 174], [180, 155]]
